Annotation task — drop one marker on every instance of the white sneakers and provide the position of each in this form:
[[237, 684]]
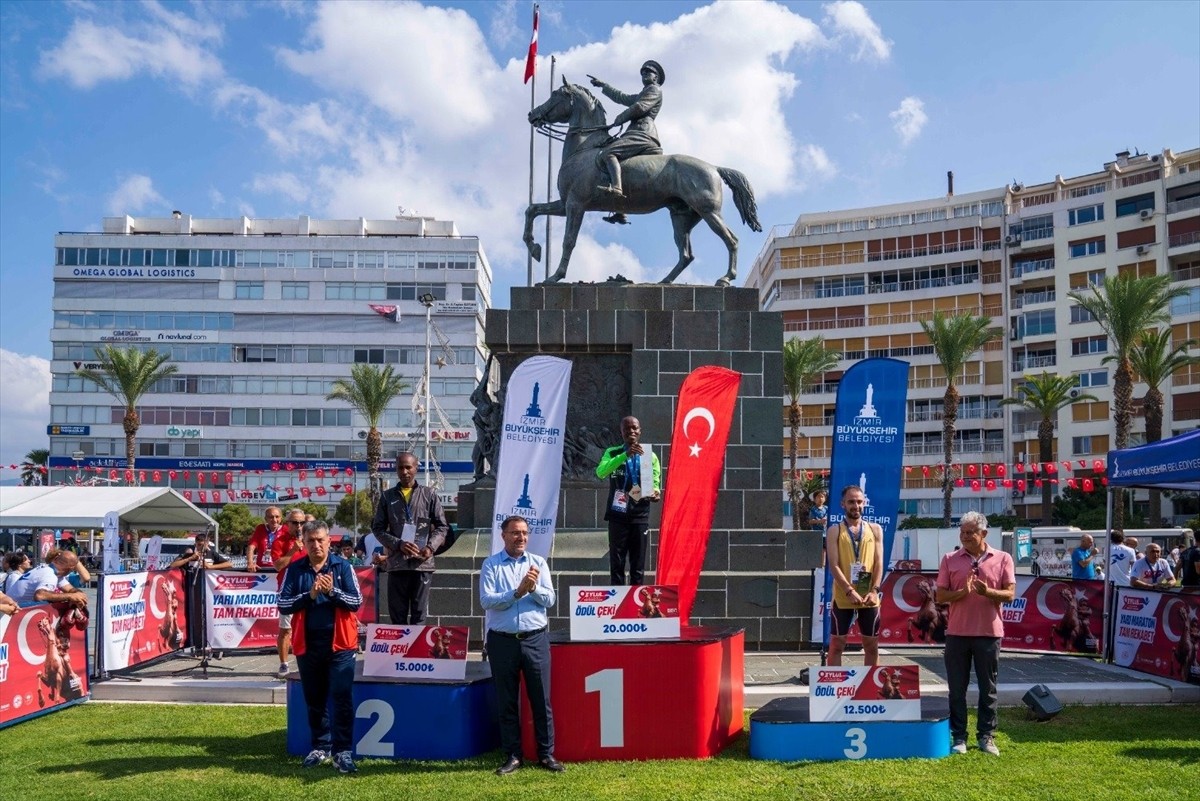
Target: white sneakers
[[959, 747], [987, 744]]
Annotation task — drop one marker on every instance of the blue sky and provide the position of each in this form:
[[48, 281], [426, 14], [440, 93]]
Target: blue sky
[[276, 109]]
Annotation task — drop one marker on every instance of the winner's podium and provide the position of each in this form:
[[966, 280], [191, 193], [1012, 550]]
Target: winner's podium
[[396, 718], [645, 699]]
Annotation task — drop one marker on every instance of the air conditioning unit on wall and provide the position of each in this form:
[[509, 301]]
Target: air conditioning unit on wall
[[1146, 214], [1012, 239], [1142, 250]]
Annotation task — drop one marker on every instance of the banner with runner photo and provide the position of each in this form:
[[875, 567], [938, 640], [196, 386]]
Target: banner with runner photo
[[142, 616], [1158, 633], [242, 609], [1046, 614], [43, 663]]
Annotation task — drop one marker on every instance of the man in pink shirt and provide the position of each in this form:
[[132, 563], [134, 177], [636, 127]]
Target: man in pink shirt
[[975, 581]]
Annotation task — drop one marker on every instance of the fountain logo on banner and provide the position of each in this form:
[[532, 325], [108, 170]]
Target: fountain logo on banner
[[531, 449]]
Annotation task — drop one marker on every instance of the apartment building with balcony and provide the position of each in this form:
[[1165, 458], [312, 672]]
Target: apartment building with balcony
[[260, 316], [863, 279]]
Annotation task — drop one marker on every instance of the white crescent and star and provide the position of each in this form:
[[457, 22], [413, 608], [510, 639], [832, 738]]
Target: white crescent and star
[[706, 416]]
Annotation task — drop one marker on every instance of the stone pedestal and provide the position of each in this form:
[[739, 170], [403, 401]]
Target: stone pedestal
[[631, 346]]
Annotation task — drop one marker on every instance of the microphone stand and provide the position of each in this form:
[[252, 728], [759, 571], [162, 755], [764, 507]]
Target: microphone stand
[[205, 651]]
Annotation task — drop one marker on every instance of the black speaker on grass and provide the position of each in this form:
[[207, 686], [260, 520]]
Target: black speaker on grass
[[1042, 703]]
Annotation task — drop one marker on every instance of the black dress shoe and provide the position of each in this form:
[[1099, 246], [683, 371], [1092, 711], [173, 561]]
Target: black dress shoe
[[551, 764], [511, 766]]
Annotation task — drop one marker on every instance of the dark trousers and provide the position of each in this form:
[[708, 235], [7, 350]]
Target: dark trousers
[[511, 658], [408, 595], [961, 652], [325, 673], [628, 538]]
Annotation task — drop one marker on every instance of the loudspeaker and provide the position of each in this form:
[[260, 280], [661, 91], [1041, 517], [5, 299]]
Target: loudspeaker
[[1042, 703]]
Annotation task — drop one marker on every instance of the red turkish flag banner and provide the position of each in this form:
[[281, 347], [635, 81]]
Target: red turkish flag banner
[[703, 415], [531, 56]]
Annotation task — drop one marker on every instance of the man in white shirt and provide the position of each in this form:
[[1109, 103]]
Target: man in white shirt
[[48, 582], [1120, 559], [1152, 571]]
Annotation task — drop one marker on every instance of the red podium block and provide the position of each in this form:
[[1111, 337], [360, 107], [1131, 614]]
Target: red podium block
[[653, 699]]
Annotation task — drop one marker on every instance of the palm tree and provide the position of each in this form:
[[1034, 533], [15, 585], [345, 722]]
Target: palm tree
[[803, 362], [1154, 361], [33, 468], [954, 340], [127, 374], [1047, 394], [1125, 306], [370, 390]]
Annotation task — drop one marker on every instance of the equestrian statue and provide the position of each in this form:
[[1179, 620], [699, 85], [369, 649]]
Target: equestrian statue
[[629, 174]]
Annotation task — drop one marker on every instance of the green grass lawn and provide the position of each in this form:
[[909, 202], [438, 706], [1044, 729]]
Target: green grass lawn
[[148, 751]]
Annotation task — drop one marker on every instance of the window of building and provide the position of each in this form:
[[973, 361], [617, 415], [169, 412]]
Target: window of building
[[1085, 214], [351, 290], [1092, 378], [468, 292], [1081, 315], [294, 290], [1081, 445], [1132, 205], [1186, 304], [1036, 323], [1088, 345], [249, 290], [1087, 247]]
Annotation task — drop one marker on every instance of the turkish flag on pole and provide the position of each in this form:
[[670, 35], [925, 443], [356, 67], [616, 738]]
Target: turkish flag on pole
[[702, 419], [531, 59]]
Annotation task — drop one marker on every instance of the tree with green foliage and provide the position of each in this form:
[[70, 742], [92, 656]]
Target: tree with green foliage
[[1047, 395], [1086, 510], [804, 361], [33, 470], [1154, 361], [1125, 306], [345, 515], [370, 390], [954, 340], [237, 523], [127, 374], [317, 510]]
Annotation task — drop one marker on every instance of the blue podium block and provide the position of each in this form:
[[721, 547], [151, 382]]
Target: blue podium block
[[403, 719], [781, 730]]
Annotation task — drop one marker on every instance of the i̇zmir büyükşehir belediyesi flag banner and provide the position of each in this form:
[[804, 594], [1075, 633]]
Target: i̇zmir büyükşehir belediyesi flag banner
[[529, 474], [703, 415], [868, 444]]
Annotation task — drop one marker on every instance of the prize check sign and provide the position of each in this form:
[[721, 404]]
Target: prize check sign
[[416, 652], [887, 692], [640, 612]]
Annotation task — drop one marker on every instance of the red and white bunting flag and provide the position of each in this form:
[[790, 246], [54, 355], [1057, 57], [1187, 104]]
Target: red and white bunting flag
[[703, 416], [531, 58], [390, 312]]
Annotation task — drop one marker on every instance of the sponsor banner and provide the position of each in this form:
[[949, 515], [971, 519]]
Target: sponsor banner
[[640, 612], [703, 416], [531, 447], [257, 465], [242, 609], [416, 652], [143, 616], [43, 663], [367, 578], [68, 431], [1158, 633], [184, 432], [133, 273], [1045, 615], [455, 307], [887, 692], [131, 335]]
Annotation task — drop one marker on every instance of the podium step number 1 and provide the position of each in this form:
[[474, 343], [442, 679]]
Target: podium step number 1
[[610, 685]]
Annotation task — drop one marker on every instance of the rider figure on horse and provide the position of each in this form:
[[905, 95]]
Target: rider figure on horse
[[641, 137]]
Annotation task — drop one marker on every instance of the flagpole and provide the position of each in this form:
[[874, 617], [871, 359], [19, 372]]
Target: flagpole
[[532, 90], [549, 177]]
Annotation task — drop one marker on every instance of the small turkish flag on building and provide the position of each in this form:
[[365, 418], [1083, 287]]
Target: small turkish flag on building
[[531, 58], [390, 312]]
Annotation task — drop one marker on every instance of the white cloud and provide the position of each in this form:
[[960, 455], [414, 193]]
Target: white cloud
[[592, 261], [850, 20], [133, 195], [282, 183], [815, 162], [502, 23], [909, 119], [161, 43], [24, 405]]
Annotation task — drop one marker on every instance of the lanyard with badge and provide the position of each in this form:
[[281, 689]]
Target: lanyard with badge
[[860, 578], [629, 490], [408, 533]]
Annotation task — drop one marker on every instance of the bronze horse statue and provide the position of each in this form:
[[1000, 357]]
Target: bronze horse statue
[[688, 187]]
